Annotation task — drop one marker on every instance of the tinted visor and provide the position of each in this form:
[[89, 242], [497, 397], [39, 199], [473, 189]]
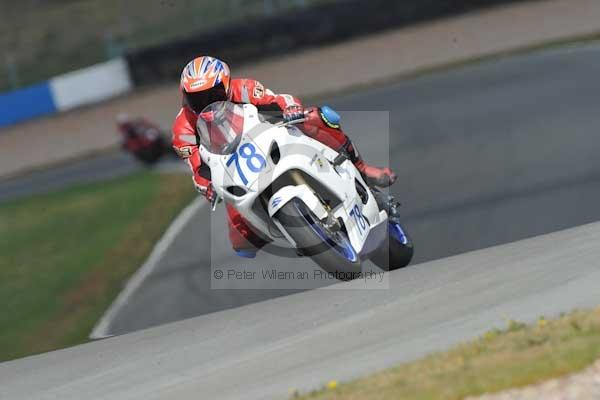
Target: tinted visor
[[199, 100]]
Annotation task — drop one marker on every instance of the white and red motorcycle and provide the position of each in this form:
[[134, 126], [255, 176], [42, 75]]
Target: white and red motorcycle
[[294, 189]]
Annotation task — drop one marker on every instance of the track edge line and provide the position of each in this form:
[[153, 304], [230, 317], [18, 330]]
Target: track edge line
[[100, 330]]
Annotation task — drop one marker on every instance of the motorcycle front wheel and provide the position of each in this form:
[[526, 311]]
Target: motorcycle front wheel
[[332, 251]]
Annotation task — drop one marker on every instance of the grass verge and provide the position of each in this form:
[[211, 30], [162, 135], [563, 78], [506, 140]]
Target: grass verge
[[518, 356], [65, 256]]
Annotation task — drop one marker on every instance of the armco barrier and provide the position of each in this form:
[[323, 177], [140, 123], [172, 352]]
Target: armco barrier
[[65, 92], [255, 39]]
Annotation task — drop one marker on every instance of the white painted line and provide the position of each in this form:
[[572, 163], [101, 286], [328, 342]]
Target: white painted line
[[100, 331]]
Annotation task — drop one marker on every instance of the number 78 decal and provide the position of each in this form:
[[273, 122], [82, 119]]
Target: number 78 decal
[[359, 218], [248, 152]]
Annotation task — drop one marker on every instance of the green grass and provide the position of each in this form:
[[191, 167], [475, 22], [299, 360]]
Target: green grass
[[518, 356], [65, 256]]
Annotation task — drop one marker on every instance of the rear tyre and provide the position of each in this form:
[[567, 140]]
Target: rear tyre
[[397, 250], [332, 251]]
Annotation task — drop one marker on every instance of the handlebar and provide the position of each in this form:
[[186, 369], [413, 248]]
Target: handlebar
[[294, 122]]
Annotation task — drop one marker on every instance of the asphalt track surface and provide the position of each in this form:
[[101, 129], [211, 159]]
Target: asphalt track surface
[[486, 154], [263, 350], [89, 169]]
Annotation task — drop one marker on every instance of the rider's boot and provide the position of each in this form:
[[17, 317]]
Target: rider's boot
[[386, 202], [323, 124]]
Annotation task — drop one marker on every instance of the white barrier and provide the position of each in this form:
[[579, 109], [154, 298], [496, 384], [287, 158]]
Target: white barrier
[[90, 85]]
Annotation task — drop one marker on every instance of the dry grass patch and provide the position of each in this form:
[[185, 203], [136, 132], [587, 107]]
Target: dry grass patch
[[517, 356]]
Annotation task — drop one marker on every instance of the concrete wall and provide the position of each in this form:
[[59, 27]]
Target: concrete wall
[[90, 85]]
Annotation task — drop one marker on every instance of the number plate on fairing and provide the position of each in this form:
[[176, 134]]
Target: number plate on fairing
[[362, 227], [246, 163]]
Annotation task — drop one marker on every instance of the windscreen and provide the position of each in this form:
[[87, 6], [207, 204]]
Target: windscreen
[[220, 126]]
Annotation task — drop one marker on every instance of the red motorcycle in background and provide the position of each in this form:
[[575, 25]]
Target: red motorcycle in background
[[144, 140]]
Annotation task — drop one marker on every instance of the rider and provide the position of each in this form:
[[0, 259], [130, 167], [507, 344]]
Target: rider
[[206, 80]]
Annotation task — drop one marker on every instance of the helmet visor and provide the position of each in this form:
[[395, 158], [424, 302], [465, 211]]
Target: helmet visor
[[198, 101]]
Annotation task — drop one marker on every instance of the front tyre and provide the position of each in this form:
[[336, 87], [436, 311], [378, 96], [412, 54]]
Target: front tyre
[[396, 252], [332, 251]]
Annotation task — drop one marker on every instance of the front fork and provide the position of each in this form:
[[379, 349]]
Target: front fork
[[330, 222]]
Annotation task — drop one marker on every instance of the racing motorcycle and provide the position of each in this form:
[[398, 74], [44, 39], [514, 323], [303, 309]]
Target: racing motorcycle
[[296, 190], [146, 143]]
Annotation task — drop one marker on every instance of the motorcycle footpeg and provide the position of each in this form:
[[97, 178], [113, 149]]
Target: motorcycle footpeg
[[392, 208], [386, 203]]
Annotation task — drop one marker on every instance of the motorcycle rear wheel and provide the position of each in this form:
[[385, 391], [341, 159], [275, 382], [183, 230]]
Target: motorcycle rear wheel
[[396, 251]]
